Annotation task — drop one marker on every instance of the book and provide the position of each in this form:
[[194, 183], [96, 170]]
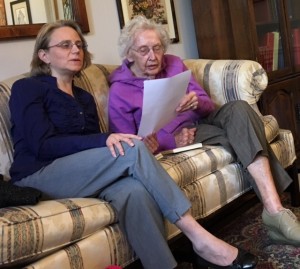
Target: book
[[266, 51], [275, 50], [269, 51], [296, 45], [178, 150]]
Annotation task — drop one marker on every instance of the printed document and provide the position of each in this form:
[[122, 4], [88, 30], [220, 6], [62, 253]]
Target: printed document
[[161, 98]]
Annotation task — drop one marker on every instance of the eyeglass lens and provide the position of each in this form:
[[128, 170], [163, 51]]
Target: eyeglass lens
[[68, 44], [144, 50]]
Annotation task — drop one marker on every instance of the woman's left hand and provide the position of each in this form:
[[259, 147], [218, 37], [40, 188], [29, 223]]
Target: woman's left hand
[[113, 142], [185, 137], [188, 102]]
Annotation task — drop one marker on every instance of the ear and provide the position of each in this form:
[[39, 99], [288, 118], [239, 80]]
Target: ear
[[43, 55], [130, 56]]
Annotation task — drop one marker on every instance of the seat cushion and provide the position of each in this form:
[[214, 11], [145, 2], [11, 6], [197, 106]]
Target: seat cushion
[[30, 232], [207, 194], [103, 248], [213, 191], [189, 166]]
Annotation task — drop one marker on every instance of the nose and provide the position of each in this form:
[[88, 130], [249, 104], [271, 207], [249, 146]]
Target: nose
[[75, 48], [151, 54]]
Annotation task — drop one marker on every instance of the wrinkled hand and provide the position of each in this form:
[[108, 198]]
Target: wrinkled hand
[[113, 142], [185, 137], [188, 102], [151, 142]]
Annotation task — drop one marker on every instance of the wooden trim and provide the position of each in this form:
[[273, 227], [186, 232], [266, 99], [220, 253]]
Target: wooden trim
[[31, 30]]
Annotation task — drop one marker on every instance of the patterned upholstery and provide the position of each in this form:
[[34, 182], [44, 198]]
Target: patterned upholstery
[[226, 80], [84, 233], [31, 231]]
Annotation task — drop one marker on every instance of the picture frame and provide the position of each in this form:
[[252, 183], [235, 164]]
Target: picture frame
[[20, 11], [162, 11], [2, 13]]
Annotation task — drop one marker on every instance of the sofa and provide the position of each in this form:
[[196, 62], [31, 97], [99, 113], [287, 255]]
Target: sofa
[[84, 232]]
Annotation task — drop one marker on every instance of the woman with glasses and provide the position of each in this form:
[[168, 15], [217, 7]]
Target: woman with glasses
[[142, 46], [60, 151]]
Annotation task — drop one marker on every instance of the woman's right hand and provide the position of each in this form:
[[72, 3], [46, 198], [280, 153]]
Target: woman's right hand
[[185, 137], [113, 142], [151, 142]]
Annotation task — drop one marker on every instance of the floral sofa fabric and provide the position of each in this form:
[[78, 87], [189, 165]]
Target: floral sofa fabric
[[84, 233]]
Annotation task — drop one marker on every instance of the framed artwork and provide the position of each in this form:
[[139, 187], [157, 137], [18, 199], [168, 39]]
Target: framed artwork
[[2, 13], [162, 11], [67, 9], [20, 11]]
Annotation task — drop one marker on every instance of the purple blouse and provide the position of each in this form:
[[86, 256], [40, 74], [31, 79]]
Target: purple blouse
[[126, 99]]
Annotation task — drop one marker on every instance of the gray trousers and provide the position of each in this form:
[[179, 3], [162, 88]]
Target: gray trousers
[[136, 185], [238, 128]]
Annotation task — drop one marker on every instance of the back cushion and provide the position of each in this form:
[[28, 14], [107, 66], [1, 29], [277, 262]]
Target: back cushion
[[6, 147], [94, 80]]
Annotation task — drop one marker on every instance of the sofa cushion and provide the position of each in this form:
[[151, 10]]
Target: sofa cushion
[[189, 166], [34, 231], [94, 79], [207, 194], [103, 248], [6, 147], [213, 191]]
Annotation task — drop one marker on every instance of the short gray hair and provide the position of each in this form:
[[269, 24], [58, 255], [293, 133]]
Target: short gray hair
[[136, 25]]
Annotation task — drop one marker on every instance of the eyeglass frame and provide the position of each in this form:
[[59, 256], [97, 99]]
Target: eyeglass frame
[[155, 50], [79, 44]]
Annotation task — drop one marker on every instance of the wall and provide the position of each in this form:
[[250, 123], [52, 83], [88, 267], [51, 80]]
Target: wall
[[15, 55]]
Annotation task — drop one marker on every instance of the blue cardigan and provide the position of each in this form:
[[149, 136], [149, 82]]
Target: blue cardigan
[[48, 124]]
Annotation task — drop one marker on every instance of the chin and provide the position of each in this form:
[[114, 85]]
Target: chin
[[153, 72]]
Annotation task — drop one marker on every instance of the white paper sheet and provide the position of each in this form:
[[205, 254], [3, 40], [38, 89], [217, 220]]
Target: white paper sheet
[[161, 98]]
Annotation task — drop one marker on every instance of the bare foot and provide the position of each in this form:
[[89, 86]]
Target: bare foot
[[222, 255]]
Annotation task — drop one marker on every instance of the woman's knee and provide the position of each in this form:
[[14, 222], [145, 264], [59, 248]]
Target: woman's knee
[[139, 146], [239, 105], [243, 109]]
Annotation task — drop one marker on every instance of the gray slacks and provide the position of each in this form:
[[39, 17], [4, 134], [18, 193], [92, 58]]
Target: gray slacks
[[238, 128], [136, 185]]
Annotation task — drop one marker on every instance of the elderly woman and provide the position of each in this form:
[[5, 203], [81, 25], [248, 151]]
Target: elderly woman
[[142, 45], [60, 151]]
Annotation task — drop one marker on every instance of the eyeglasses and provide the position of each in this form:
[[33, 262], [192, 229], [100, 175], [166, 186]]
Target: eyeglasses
[[68, 45], [144, 50]]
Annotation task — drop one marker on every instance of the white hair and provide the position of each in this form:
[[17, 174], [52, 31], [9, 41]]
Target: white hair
[[136, 25]]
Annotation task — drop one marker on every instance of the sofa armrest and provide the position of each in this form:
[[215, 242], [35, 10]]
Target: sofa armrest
[[229, 80]]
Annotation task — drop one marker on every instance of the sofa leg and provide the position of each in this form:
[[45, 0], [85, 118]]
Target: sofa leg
[[294, 187]]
